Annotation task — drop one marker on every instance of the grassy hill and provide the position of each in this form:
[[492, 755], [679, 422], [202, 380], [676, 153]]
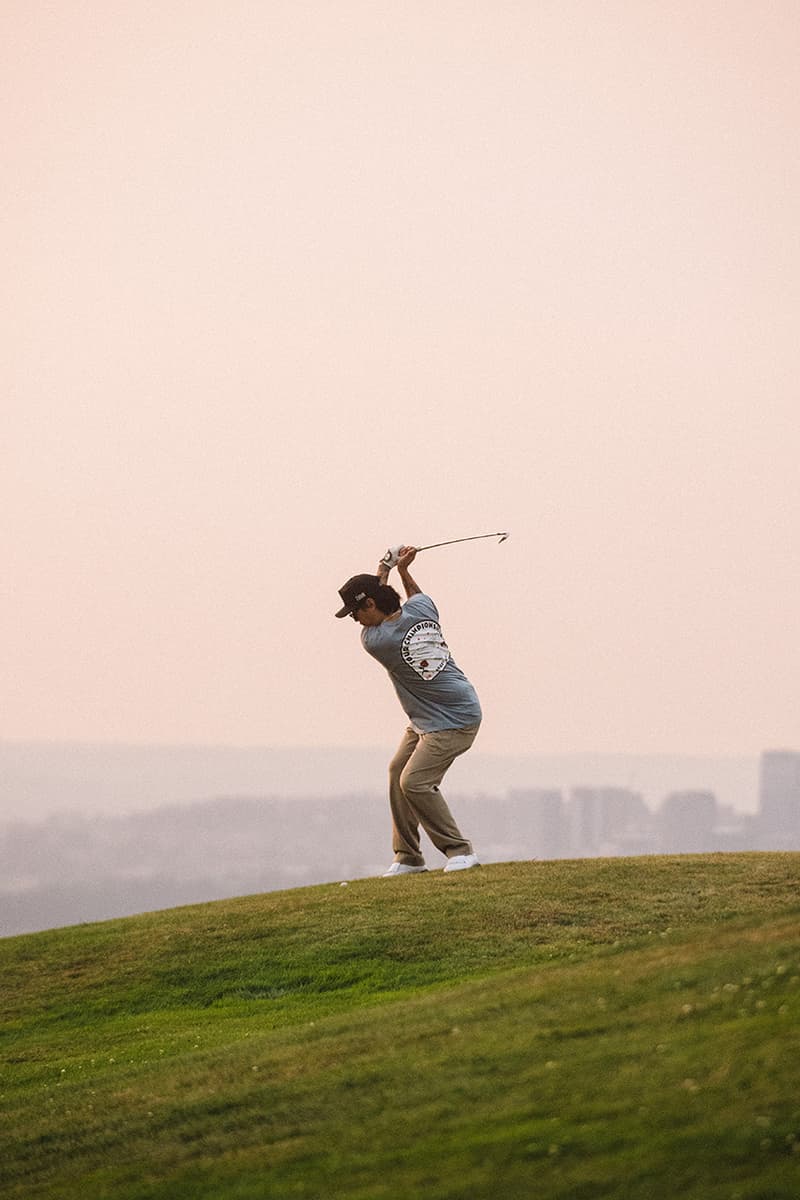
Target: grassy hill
[[626, 1029]]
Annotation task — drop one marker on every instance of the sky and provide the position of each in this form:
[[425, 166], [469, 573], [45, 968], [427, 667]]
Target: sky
[[288, 282]]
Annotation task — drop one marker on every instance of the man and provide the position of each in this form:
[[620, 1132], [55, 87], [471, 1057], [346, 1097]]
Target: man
[[441, 704]]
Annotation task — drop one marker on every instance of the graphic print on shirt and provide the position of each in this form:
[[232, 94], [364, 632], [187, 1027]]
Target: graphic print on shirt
[[425, 650]]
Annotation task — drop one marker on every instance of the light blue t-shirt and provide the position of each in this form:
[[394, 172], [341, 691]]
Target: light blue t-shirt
[[434, 692]]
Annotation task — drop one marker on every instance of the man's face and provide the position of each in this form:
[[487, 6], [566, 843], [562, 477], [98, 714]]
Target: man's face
[[369, 614]]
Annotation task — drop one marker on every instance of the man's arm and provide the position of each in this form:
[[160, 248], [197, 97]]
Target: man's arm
[[407, 556]]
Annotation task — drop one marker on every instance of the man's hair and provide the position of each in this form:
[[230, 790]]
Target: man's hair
[[387, 599]]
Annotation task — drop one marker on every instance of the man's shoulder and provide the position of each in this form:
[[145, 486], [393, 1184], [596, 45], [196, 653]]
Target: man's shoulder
[[421, 605]]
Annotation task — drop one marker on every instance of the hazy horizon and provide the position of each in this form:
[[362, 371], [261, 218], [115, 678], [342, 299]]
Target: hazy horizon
[[90, 833], [289, 283], [42, 780]]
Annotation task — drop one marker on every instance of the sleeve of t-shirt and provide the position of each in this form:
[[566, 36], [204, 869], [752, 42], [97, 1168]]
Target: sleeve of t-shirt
[[421, 606]]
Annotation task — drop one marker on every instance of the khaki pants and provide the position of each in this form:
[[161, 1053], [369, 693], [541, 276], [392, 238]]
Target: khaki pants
[[415, 773]]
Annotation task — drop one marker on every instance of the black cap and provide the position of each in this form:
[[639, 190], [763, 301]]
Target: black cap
[[356, 591]]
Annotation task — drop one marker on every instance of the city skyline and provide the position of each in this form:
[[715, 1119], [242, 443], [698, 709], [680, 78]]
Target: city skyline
[[72, 868]]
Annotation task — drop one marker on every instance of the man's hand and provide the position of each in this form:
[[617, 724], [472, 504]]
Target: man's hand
[[406, 557]]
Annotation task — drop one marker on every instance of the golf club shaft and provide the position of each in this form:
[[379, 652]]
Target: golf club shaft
[[454, 541]]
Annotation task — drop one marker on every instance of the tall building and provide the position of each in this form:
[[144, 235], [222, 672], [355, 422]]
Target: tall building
[[606, 820], [540, 823], [779, 797], [687, 821]]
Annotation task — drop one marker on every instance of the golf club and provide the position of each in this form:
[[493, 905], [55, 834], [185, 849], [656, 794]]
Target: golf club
[[476, 538], [392, 554]]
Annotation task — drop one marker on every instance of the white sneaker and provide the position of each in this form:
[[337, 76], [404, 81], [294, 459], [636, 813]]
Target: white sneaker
[[462, 862], [402, 869]]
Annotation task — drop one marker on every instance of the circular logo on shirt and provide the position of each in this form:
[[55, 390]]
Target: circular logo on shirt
[[425, 650]]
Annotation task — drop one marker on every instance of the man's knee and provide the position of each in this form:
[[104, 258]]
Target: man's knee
[[396, 767], [414, 782]]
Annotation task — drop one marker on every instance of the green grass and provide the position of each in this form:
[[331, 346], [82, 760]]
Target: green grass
[[624, 1029]]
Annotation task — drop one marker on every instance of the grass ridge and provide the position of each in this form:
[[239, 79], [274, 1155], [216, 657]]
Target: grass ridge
[[601, 1028]]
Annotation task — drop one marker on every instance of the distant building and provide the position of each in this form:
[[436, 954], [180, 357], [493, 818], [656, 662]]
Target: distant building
[[779, 799], [608, 821], [687, 821], [540, 822], [733, 831]]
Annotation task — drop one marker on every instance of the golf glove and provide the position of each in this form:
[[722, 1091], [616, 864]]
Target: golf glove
[[391, 556]]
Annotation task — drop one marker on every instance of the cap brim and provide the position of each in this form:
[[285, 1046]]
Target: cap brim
[[344, 612]]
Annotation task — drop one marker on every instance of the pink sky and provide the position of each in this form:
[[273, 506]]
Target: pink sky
[[288, 282]]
